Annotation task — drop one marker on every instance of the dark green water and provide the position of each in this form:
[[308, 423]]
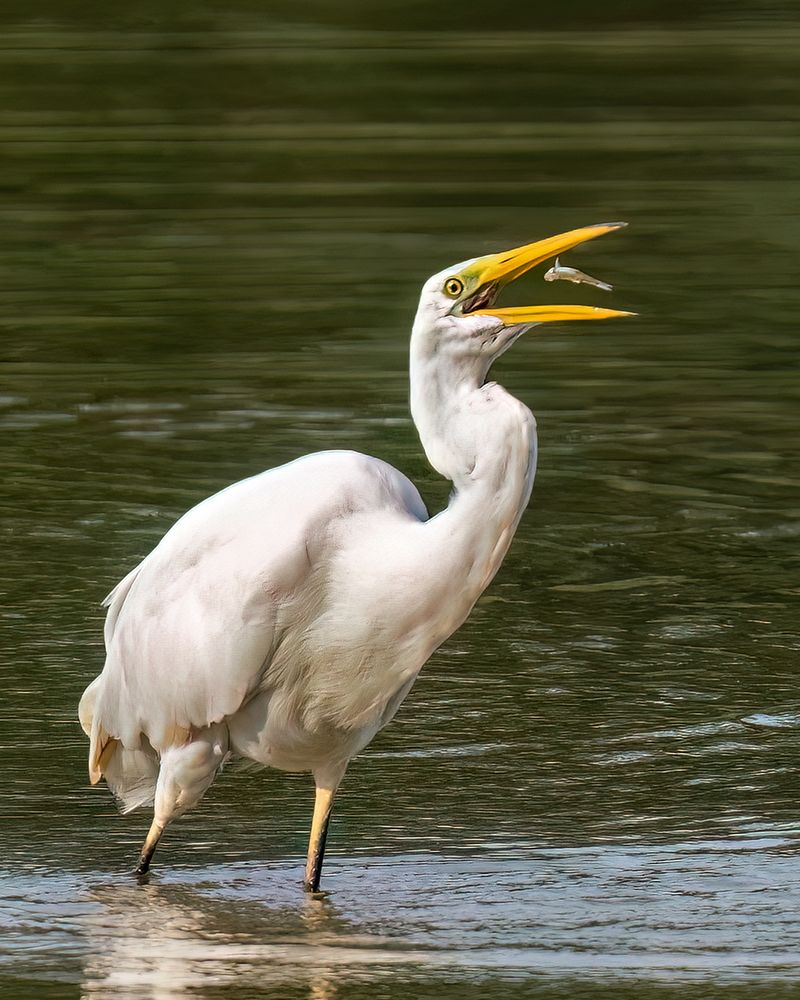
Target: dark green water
[[213, 229]]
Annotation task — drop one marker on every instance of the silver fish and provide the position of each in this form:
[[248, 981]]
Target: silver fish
[[559, 273]]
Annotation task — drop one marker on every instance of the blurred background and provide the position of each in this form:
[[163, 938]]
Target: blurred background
[[214, 223]]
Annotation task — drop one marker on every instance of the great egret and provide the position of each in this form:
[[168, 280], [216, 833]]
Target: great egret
[[285, 618]]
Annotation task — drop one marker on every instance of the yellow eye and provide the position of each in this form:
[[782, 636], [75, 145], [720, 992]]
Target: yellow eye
[[453, 287]]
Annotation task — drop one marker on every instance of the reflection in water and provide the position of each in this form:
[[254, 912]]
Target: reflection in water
[[168, 940], [164, 941], [688, 912]]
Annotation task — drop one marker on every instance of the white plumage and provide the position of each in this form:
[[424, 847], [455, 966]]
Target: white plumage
[[284, 619]]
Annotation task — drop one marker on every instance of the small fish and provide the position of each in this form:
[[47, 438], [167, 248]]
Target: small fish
[[559, 273]]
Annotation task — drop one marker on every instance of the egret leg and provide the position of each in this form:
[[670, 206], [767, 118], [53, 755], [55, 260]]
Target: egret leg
[[148, 849], [323, 803], [185, 775]]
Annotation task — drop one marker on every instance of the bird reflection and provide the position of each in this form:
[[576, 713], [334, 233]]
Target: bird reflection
[[317, 912], [168, 941]]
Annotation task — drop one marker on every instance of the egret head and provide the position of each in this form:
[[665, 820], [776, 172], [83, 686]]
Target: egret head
[[457, 313]]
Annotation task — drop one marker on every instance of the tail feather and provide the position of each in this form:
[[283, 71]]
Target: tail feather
[[132, 775]]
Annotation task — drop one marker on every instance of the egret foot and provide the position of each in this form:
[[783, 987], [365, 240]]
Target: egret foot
[[323, 803]]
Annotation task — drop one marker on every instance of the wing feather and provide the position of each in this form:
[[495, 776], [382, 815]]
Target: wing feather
[[219, 609]]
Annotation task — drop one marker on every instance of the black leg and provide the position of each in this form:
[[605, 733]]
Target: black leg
[[148, 850]]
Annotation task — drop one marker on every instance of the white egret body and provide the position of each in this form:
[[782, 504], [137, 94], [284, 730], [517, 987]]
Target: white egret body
[[285, 619]]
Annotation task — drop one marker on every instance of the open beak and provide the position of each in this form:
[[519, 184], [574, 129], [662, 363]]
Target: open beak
[[496, 270]]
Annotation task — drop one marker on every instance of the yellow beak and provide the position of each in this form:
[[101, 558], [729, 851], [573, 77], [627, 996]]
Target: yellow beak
[[501, 268]]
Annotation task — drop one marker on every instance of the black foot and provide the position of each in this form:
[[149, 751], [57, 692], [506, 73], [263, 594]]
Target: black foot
[[313, 893], [142, 871]]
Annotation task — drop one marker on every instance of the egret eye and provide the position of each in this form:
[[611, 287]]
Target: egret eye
[[453, 287]]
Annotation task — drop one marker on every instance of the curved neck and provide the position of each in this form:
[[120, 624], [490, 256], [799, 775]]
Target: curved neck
[[444, 400], [484, 440]]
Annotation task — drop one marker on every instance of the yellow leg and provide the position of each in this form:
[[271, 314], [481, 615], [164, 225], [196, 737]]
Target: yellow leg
[[323, 802], [148, 848]]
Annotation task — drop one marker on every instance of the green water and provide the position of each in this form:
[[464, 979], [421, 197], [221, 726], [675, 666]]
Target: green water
[[213, 229]]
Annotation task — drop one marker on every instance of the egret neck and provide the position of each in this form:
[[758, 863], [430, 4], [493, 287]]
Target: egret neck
[[481, 438]]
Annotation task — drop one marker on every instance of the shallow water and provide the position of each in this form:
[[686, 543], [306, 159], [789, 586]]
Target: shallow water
[[213, 238], [685, 914]]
